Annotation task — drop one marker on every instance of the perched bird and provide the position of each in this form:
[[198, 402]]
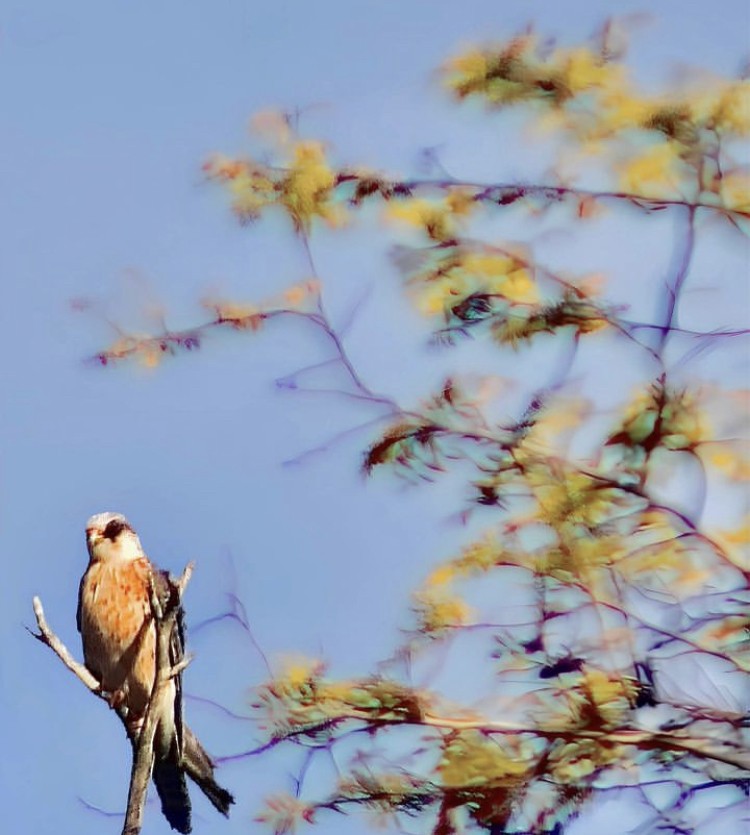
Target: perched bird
[[119, 647]]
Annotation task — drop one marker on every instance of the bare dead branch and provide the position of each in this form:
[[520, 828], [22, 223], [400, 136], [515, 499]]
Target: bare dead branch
[[165, 614], [48, 637]]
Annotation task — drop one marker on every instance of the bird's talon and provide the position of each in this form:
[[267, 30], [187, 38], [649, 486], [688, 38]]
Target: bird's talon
[[116, 699]]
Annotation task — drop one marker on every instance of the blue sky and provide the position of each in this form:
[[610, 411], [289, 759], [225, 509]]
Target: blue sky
[[109, 111]]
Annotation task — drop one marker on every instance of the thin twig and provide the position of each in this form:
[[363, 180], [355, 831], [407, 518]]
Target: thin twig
[[48, 637]]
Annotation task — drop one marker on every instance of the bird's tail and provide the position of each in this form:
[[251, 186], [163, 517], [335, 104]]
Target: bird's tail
[[171, 786], [199, 767]]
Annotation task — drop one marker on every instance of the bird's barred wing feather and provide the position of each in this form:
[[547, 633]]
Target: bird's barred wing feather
[[167, 595], [79, 609]]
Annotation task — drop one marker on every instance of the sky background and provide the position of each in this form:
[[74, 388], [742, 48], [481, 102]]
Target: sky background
[[109, 110]]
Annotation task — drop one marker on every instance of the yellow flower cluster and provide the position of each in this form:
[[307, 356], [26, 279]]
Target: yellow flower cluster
[[569, 498], [591, 96], [732, 459], [471, 759], [731, 108], [657, 172], [477, 558], [304, 188], [571, 762], [610, 693], [438, 609], [670, 418], [240, 316], [436, 218], [466, 273], [307, 186], [735, 191], [298, 673], [516, 72], [581, 70]]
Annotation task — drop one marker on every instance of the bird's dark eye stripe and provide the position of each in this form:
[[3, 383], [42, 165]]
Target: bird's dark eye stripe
[[114, 529]]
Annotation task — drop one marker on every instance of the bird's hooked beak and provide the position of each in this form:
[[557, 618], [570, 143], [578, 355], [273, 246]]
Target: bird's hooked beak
[[93, 534]]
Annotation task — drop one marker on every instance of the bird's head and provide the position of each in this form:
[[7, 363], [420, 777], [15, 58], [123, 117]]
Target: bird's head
[[109, 536]]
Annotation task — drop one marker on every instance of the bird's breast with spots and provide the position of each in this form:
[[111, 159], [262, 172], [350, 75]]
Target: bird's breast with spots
[[116, 629]]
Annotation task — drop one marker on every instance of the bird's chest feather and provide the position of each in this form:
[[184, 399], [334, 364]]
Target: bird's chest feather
[[116, 628]]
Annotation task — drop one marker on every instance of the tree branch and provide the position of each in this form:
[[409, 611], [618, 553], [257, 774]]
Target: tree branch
[[48, 637], [164, 614]]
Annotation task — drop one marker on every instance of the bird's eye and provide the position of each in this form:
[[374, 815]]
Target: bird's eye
[[113, 529]]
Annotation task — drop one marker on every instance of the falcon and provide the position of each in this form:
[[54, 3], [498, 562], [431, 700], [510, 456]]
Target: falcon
[[119, 647]]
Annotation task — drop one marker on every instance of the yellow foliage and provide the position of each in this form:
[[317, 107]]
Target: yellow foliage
[[593, 551], [735, 191], [623, 111], [224, 167], [307, 187], [240, 316], [612, 694], [250, 193], [592, 284], [299, 293], [442, 289], [736, 544], [432, 301], [433, 218], [304, 188], [562, 415], [657, 522], [309, 162], [476, 558], [665, 559], [503, 276], [439, 296], [695, 577], [570, 498], [570, 762], [436, 218], [675, 564], [472, 759], [441, 575], [437, 609], [471, 66], [250, 184], [582, 69], [732, 111], [684, 422], [731, 460], [591, 323], [654, 173], [151, 356], [728, 632], [412, 212], [479, 556], [123, 346], [517, 286], [668, 417], [488, 265], [146, 350], [460, 202], [298, 671]]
